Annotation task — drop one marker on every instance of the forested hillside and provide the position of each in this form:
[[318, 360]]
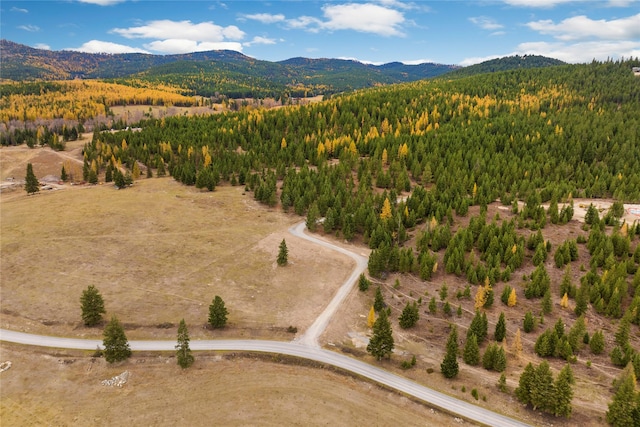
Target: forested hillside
[[504, 64]]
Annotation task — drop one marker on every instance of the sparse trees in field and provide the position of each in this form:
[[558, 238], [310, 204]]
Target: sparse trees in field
[[183, 352], [283, 253], [381, 343], [31, 184], [116, 345], [92, 306], [218, 313]]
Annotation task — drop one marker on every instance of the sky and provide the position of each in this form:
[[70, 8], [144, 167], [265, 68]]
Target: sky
[[459, 32]]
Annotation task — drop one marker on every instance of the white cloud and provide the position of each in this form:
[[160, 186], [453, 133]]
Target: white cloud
[[259, 40], [42, 46], [30, 28], [575, 53], [308, 23], [537, 3], [553, 3], [418, 61], [582, 27], [18, 9], [265, 18], [98, 46], [362, 61], [173, 46], [478, 59], [363, 17], [167, 29], [582, 52], [102, 2], [485, 23]]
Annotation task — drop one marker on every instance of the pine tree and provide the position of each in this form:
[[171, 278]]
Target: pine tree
[[478, 327], [378, 301], [449, 366], [31, 184], [547, 304], [217, 313], [283, 253], [116, 346], [529, 322], [596, 343], [183, 352], [92, 306], [410, 315], [563, 392], [501, 328], [363, 283], [433, 307], [371, 318], [525, 383], [63, 175], [471, 352], [381, 343], [624, 405], [542, 388]]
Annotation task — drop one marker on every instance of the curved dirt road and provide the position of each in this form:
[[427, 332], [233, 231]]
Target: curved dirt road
[[306, 346], [311, 335], [450, 404]]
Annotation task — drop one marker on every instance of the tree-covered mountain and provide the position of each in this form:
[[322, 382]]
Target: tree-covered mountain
[[214, 72], [506, 63]]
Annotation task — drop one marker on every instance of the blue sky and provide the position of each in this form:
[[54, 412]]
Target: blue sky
[[375, 31]]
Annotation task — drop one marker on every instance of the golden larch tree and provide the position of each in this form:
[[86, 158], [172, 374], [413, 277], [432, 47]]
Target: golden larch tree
[[517, 345], [511, 302], [386, 210], [564, 302], [481, 297], [371, 318]]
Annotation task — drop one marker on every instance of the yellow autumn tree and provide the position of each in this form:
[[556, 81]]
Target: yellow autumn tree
[[564, 302], [386, 210], [371, 318], [135, 170], [511, 302], [385, 156], [517, 345], [481, 297], [321, 149], [283, 143]]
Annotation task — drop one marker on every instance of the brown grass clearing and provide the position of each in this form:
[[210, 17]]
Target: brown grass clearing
[[64, 389], [158, 252]]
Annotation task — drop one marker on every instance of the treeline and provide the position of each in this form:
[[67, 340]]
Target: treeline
[[79, 100]]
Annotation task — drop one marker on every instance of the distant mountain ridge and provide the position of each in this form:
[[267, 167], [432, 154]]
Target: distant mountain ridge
[[231, 73]]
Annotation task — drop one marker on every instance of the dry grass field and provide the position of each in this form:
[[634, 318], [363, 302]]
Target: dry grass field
[[64, 389], [158, 252]]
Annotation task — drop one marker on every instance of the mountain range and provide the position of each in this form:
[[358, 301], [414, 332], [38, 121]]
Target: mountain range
[[229, 72]]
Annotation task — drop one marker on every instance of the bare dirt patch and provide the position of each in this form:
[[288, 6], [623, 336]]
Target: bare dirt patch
[[66, 389]]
